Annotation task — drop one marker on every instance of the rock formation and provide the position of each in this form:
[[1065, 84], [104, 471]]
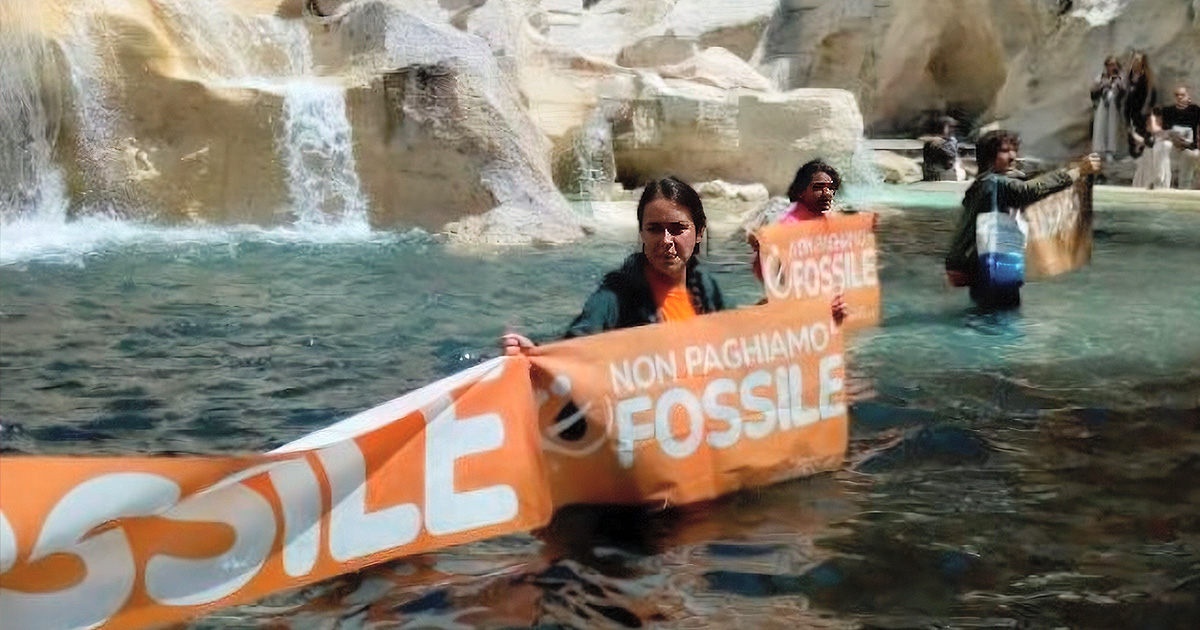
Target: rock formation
[[1024, 63], [481, 114]]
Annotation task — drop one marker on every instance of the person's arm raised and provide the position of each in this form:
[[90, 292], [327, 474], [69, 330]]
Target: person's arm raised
[[1018, 193]]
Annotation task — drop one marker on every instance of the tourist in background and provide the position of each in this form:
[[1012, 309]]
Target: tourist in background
[[940, 154], [1140, 97], [1107, 91], [1153, 151], [1182, 125]]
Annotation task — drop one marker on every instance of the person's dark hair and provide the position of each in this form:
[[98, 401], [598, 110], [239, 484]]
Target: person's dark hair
[[989, 145], [1146, 71], [805, 175], [674, 189]]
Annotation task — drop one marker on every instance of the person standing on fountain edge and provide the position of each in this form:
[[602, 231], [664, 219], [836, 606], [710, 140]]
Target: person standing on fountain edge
[[1182, 124], [1140, 98], [1001, 189], [1107, 92], [663, 282]]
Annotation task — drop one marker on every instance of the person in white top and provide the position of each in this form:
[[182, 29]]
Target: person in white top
[[1154, 148], [1182, 125]]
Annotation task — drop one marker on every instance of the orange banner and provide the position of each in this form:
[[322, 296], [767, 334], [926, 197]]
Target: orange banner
[[136, 542], [682, 412], [821, 258], [1060, 232], [667, 414]]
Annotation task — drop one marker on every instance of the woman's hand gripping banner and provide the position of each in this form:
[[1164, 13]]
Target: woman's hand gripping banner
[[821, 259]]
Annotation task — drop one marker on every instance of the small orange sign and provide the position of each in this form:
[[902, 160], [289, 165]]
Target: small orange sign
[[822, 258]]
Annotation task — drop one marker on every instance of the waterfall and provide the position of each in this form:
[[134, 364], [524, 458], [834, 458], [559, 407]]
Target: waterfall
[[861, 178], [863, 171], [1099, 12], [33, 184], [97, 118], [227, 47], [595, 162], [314, 142], [40, 79], [318, 153]]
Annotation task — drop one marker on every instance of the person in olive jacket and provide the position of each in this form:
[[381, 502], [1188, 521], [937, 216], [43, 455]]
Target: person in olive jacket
[[999, 188]]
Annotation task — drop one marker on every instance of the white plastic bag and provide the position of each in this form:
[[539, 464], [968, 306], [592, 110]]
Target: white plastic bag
[[1000, 241]]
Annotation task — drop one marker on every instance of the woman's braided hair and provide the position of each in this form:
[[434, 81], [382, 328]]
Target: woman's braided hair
[[674, 189]]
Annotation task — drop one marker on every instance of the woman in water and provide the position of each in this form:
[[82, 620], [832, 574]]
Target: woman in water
[[811, 194], [663, 282]]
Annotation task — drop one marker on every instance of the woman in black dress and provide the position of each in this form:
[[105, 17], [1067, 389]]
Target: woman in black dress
[[1139, 100]]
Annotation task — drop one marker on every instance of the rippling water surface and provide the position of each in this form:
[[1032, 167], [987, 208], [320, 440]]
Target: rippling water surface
[[1040, 470]]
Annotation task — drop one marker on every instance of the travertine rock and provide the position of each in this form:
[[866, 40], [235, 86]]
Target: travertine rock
[[897, 169], [701, 133], [445, 134], [1027, 63], [719, 189]]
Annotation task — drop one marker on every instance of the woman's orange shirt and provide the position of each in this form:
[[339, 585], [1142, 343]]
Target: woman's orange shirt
[[674, 302]]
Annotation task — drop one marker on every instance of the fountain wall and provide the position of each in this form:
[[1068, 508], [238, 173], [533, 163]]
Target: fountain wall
[[481, 118]]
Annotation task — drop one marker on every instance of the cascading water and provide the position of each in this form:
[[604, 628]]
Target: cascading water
[[318, 154], [57, 83], [314, 141], [99, 121], [42, 78], [595, 164], [33, 183], [33, 92], [230, 48], [1099, 12], [861, 178], [863, 170]]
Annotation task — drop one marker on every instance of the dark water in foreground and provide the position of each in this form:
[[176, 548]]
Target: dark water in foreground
[[1037, 471]]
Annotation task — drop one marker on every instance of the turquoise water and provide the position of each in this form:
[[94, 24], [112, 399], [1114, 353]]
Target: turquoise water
[[1035, 470]]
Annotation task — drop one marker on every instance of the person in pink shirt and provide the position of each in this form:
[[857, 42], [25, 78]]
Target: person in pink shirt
[[811, 194]]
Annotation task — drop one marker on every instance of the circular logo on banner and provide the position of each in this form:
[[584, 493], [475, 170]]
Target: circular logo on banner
[[564, 424]]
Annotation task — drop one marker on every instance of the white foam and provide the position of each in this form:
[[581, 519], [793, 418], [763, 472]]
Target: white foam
[[1099, 12], [28, 239]]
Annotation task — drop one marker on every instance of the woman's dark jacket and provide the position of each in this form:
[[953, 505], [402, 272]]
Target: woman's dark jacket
[[624, 298]]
